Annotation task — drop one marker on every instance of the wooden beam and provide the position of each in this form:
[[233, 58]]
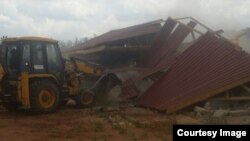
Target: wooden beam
[[238, 98]]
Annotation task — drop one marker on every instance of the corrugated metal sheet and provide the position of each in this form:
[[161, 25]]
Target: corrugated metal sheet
[[169, 39], [163, 52], [208, 67], [173, 43], [119, 34], [167, 44], [158, 44]]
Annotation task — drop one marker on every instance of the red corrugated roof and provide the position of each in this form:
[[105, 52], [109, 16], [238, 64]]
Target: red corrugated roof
[[208, 67]]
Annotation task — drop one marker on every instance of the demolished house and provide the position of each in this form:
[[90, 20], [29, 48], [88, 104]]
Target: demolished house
[[116, 48], [186, 63]]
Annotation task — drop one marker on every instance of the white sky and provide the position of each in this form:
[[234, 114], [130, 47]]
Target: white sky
[[67, 19]]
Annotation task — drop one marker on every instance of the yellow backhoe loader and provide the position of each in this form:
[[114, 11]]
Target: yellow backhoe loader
[[33, 75]]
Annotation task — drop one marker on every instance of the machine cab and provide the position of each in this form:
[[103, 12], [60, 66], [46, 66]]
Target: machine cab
[[34, 55]]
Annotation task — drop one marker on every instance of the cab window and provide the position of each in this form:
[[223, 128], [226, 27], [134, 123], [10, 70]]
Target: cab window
[[13, 58], [26, 57], [54, 61], [38, 57]]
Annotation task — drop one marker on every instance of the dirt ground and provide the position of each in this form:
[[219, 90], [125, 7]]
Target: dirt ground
[[97, 124]]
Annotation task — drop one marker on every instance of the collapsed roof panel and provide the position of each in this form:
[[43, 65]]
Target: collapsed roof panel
[[210, 66], [170, 39]]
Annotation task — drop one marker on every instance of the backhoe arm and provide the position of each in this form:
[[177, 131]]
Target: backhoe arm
[[87, 69], [83, 67]]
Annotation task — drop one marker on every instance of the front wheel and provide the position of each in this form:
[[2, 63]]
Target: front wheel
[[84, 99], [44, 96]]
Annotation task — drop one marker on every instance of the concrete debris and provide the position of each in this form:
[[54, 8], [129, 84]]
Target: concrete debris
[[118, 121], [71, 102], [239, 113], [208, 105], [114, 93], [111, 109], [144, 85], [220, 113], [202, 111]]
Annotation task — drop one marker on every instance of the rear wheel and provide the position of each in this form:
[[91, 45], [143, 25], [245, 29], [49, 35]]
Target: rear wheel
[[85, 98], [44, 97]]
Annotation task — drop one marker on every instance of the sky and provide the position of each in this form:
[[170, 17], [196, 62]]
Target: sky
[[68, 19]]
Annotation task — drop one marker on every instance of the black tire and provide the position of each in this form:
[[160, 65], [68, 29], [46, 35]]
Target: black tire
[[85, 98], [11, 106], [44, 96]]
